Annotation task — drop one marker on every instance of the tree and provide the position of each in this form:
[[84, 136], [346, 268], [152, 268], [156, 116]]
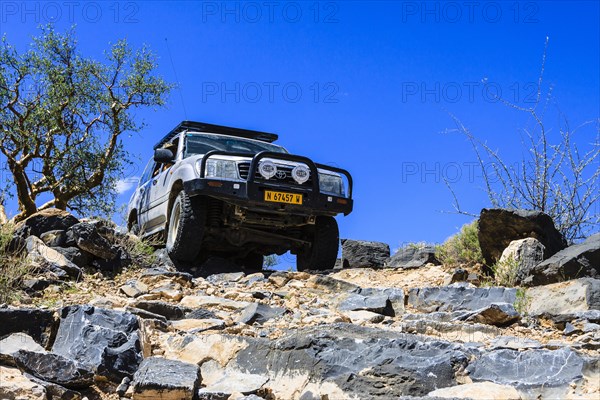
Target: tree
[[62, 116], [559, 179]]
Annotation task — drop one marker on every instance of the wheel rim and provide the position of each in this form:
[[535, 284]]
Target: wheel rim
[[174, 224]]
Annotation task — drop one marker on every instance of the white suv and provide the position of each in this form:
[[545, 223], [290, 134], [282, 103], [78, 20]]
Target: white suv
[[216, 190]]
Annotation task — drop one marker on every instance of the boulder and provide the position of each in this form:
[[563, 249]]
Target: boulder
[[257, 313], [77, 256], [413, 257], [54, 391], [458, 298], [363, 254], [160, 378], [10, 345], [106, 342], [534, 368], [54, 368], [46, 220], [499, 227], [522, 255], [87, 238], [564, 298], [577, 261], [384, 301], [37, 323], [120, 261], [15, 386], [50, 258]]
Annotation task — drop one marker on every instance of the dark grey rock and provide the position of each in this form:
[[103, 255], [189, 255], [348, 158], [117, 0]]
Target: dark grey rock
[[364, 363], [514, 343], [77, 256], [167, 310], [55, 238], [123, 386], [38, 284], [87, 238], [55, 391], [522, 255], [200, 313], [17, 245], [363, 254], [570, 329], [145, 314], [497, 314], [388, 301], [104, 341], [257, 313], [526, 369], [120, 261], [37, 323], [456, 298], [46, 220], [499, 227], [413, 257], [225, 277], [577, 261], [54, 368], [334, 285], [159, 377]]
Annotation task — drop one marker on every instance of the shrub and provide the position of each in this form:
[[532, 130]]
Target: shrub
[[505, 271], [14, 267], [462, 249]]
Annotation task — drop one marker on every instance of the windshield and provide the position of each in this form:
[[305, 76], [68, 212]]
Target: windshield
[[203, 143]]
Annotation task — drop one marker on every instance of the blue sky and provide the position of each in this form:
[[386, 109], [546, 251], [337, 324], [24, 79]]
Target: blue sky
[[368, 86]]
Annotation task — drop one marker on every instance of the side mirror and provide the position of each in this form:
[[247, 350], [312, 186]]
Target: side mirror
[[163, 156]]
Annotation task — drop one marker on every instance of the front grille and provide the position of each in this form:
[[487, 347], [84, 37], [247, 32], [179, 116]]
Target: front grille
[[244, 168]]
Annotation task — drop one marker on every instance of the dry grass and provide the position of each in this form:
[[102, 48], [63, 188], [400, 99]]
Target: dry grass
[[14, 266]]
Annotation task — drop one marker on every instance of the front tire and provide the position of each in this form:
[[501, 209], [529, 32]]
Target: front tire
[[185, 229], [325, 244]]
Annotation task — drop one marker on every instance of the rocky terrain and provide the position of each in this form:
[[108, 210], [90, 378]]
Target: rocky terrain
[[97, 320]]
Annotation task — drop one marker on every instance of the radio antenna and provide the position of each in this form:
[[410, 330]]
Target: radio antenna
[[176, 79]]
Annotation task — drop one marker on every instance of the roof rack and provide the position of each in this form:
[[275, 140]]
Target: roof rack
[[194, 126]]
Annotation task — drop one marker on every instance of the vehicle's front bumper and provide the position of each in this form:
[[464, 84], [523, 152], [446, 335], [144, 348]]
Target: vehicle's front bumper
[[250, 193]]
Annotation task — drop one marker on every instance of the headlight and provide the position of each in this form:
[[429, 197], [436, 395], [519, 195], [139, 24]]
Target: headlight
[[331, 184], [216, 168]]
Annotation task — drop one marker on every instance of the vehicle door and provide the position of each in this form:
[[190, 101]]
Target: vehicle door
[[143, 196]]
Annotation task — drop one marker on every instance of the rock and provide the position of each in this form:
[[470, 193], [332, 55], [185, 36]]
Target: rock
[[362, 316], [47, 256], [225, 277], [348, 361], [220, 383], [46, 220], [534, 368], [15, 342], [38, 284], [332, 285], [413, 257], [497, 314], [279, 279], [120, 261], [169, 291], [388, 302], [145, 314], [152, 275], [478, 391], [160, 378], [457, 298], [54, 391], [15, 386], [77, 256], [87, 238], [514, 343], [257, 313], [577, 261], [37, 323], [197, 325], [123, 386], [167, 310], [570, 329], [564, 298], [56, 238], [459, 275], [134, 288], [363, 254], [499, 227], [106, 342], [212, 301], [54, 368], [521, 255], [200, 313]]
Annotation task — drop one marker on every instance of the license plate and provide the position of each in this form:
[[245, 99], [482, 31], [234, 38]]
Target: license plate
[[281, 197]]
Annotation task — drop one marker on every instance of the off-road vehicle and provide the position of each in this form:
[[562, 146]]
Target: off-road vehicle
[[217, 190]]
